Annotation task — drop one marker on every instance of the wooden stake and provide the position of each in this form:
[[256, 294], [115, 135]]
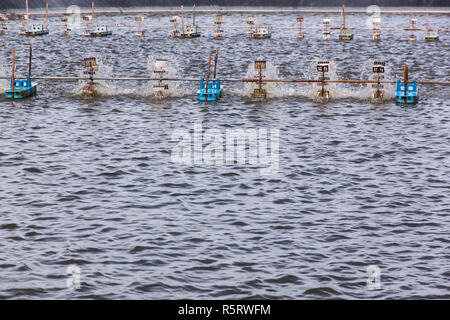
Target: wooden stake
[[13, 68], [343, 14], [405, 77], [215, 62], [46, 16], [29, 63], [323, 83], [182, 21], [93, 16], [207, 78], [28, 18]]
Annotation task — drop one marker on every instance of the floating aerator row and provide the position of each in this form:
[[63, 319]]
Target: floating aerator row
[[211, 87]]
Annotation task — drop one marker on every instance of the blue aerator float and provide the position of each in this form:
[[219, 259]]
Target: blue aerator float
[[406, 92], [408, 95], [210, 90], [21, 88], [213, 93]]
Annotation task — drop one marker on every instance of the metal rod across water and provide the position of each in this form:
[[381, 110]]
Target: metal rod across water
[[122, 11], [245, 80]]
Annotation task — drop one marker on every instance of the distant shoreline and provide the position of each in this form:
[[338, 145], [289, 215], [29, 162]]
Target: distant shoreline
[[225, 10], [19, 4]]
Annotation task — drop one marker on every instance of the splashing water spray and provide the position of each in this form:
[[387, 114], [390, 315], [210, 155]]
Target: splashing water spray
[[261, 69], [322, 70], [381, 90], [161, 69], [3, 74], [378, 71], [323, 67], [91, 67], [260, 92], [95, 65], [323, 90]]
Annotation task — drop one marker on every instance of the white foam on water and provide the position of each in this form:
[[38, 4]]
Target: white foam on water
[[367, 91], [176, 88], [273, 90], [103, 87], [336, 90], [310, 90], [4, 83], [179, 89], [145, 89]]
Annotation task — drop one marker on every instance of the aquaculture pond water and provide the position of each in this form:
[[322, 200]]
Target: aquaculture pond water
[[89, 182]]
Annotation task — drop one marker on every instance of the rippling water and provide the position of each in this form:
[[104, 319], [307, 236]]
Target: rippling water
[[89, 182]]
